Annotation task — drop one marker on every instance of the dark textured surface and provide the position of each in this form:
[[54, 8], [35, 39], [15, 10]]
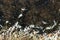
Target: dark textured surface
[[36, 12]]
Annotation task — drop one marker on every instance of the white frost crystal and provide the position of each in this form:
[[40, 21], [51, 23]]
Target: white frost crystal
[[7, 21], [51, 27], [20, 15]]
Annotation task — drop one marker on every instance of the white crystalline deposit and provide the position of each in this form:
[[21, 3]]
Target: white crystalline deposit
[[7, 21], [1, 26], [20, 15], [31, 26], [23, 9], [44, 22], [51, 27]]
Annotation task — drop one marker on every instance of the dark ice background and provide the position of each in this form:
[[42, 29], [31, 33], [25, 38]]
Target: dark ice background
[[40, 13]]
